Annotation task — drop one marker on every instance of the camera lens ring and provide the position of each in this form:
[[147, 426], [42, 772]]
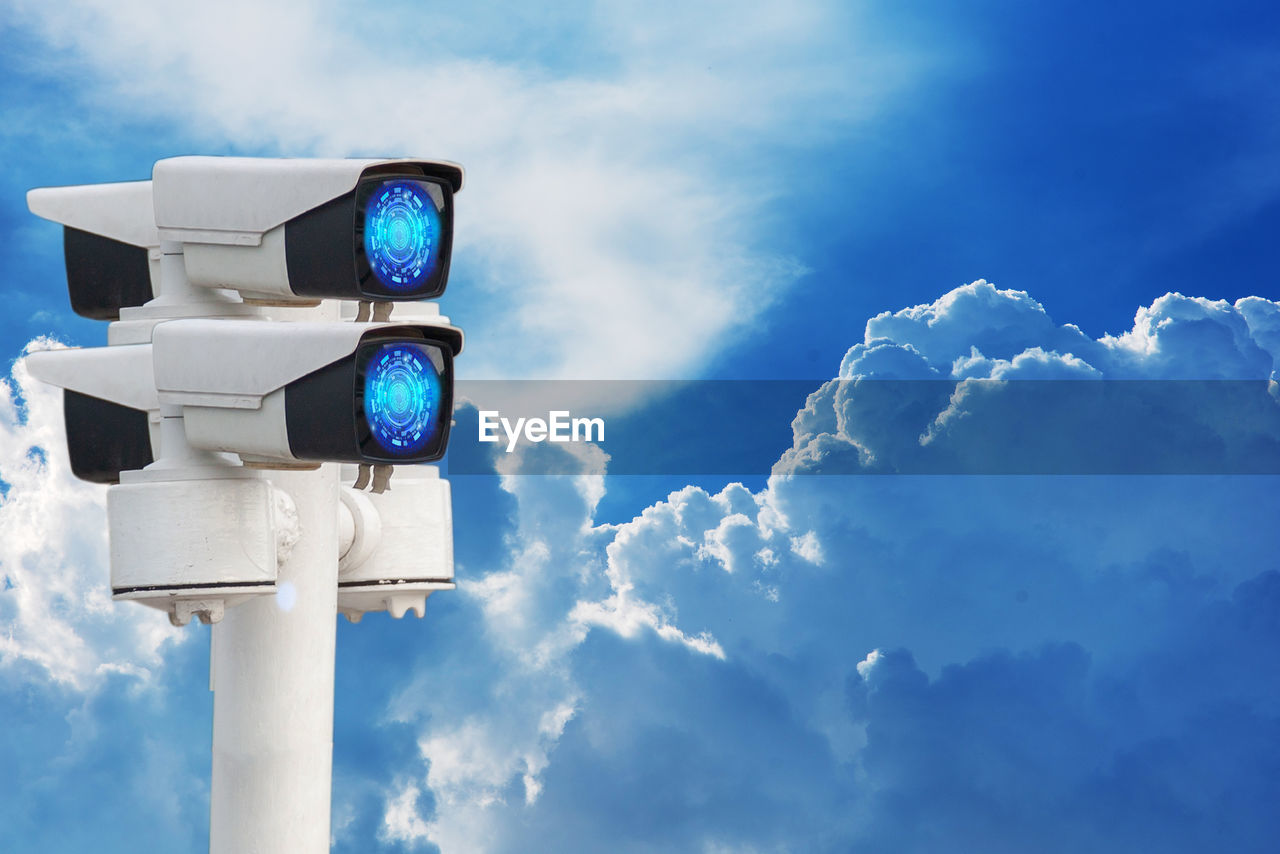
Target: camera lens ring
[[402, 398], [402, 235]]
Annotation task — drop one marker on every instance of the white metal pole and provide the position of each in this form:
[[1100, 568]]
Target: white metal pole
[[273, 662]]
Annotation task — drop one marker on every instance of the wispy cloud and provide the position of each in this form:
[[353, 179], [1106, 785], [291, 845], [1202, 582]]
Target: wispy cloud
[[619, 218]]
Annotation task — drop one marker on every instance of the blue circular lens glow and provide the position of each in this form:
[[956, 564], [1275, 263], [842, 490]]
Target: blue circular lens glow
[[401, 235], [402, 394]]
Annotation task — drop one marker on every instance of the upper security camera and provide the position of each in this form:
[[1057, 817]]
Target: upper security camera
[[282, 231]]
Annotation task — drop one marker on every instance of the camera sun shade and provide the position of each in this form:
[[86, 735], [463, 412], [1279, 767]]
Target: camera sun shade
[[109, 243]]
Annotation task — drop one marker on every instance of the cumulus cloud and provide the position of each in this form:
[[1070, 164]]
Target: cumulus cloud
[[492, 730], [811, 652], [57, 619], [1046, 750], [1176, 337], [815, 717], [983, 381], [490, 736], [828, 663]]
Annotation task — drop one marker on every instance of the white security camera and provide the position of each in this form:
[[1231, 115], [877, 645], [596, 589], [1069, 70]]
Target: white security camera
[[315, 392], [282, 393], [282, 231]]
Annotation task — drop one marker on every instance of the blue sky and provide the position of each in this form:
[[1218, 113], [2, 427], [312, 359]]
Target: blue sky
[[664, 191]]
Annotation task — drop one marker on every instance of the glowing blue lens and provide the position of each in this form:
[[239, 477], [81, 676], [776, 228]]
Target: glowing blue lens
[[402, 235], [402, 398]]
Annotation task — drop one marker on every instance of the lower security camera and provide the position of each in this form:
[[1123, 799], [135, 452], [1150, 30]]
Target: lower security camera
[[310, 392], [276, 394]]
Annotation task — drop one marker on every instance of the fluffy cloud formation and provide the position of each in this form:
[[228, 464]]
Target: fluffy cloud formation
[[1176, 337], [106, 711], [827, 664], [1100, 595], [638, 167], [982, 381], [500, 699], [906, 663], [1048, 751], [58, 620]]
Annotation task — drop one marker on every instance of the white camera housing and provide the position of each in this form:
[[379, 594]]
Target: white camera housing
[[281, 394], [288, 231], [293, 393]]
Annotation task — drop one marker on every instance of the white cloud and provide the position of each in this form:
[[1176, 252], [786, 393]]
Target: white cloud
[[401, 821], [987, 337], [1179, 337], [793, 584], [1000, 323], [979, 329], [56, 612], [481, 749], [807, 547], [867, 664], [486, 751], [622, 614]]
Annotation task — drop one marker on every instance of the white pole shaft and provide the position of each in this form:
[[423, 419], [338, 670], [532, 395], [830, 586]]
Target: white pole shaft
[[273, 663]]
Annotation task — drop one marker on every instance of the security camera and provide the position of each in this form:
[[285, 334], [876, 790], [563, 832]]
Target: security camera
[[310, 392], [110, 242], [285, 231], [280, 394]]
